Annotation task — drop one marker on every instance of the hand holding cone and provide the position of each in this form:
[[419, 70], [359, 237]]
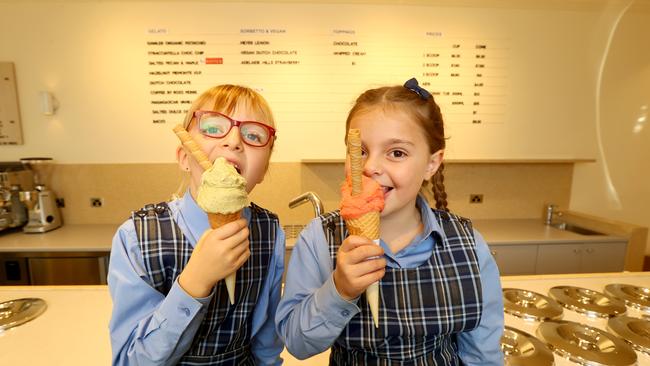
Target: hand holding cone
[[222, 193], [362, 209]]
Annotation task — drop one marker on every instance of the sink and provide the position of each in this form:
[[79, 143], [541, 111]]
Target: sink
[[575, 229]]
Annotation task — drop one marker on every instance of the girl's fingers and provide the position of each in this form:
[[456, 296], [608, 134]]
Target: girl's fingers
[[243, 257], [230, 229], [354, 241], [202, 239], [361, 269], [235, 239], [363, 252], [240, 248], [370, 278]]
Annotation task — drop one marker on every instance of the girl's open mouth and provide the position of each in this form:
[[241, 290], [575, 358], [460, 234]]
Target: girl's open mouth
[[386, 189]]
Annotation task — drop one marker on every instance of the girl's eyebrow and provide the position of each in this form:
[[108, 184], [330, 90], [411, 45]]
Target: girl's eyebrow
[[392, 142], [399, 141]]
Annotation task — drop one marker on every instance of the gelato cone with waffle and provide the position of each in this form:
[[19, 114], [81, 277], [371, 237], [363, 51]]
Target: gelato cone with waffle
[[222, 194], [361, 204]]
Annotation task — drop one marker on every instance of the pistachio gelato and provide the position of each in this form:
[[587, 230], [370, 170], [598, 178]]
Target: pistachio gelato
[[222, 189]]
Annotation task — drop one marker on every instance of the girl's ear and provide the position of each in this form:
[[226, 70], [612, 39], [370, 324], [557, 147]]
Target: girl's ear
[[434, 163], [183, 159]]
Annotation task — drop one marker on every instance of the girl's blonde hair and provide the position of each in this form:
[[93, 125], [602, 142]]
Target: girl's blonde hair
[[424, 111], [226, 99]]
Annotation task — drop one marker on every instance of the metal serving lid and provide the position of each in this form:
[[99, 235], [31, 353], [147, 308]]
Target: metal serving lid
[[530, 305], [522, 349], [17, 312], [586, 345], [634, 296], [588, 302], [634, 330]]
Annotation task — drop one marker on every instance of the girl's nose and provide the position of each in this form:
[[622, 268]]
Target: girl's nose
[[232, 140], [371, 166]]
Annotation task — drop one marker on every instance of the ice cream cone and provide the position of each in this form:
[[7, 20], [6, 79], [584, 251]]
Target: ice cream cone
[[218, 220], [191, 145], [366, 225], [234, 195]]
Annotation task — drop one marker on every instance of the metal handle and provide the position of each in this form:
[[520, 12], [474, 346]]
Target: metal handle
[[308, 197]]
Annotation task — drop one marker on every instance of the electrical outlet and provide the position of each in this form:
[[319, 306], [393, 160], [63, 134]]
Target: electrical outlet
[[96, 202], [475, 198]]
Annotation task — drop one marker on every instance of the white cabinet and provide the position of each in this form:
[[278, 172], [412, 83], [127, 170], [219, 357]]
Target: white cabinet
[[515, 259], [559, 258], [581, 257], [603, 257], [547, 258]]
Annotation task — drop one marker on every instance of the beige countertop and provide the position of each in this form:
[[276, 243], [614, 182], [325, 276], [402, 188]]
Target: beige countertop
[[532, 231], [74, 328], [524, 231], [99, 237], [68, 238]]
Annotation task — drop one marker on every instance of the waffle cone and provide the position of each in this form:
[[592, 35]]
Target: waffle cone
[[367, 225], [188, 142], [218, 220], [372, 295], [356, 164]]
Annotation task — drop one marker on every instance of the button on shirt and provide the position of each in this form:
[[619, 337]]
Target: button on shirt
[[149, 328], [312, 314]]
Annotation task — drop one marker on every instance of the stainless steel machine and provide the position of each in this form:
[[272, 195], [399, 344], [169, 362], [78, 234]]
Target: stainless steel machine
[[14, 178], [44, 214]]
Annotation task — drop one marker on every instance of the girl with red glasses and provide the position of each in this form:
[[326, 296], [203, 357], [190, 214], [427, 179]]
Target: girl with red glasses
[[170, 305]]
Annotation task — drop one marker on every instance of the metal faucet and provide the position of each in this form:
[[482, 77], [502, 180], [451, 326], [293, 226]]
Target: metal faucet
[[551, 210], [311, 197]]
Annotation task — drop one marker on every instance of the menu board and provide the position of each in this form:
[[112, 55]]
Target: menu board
[[467, 76], [312, 77]]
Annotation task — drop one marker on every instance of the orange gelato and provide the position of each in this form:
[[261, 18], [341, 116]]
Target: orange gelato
[[370, 199]]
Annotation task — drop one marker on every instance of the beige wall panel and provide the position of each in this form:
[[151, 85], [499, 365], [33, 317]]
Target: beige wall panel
[[510, 190]]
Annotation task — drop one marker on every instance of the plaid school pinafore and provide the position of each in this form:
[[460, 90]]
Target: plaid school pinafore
[[421, 309], [224, 335]]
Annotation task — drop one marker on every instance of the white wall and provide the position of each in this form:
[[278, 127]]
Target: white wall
[[618, 184], [92, 55]]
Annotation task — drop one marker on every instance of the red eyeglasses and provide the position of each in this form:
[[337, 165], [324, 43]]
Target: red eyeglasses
[[218, 125]]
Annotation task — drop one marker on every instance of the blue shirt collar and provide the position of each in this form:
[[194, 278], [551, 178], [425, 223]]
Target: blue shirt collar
[[429, 220]]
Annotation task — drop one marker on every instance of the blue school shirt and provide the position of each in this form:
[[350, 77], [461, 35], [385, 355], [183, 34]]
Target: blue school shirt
[[148, 327], [312, 314]]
